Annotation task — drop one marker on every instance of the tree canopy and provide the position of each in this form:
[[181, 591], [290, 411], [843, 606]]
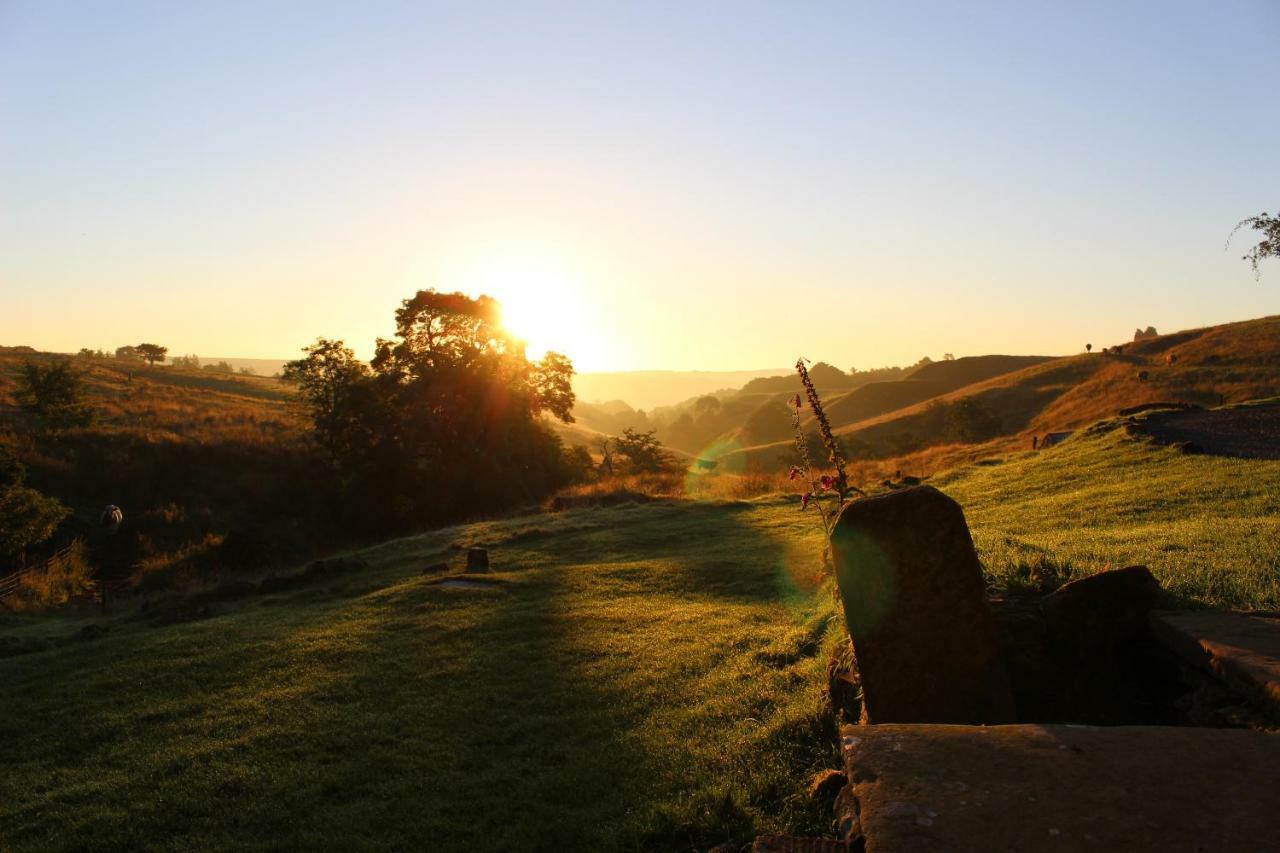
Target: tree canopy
[[151, 353], [1269, 244], [445, 421], [26, 516]]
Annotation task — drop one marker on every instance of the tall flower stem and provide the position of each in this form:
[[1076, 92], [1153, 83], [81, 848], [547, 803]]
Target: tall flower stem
[[828, 493]]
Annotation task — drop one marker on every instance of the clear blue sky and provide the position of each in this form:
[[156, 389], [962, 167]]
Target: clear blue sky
[[655, 185]]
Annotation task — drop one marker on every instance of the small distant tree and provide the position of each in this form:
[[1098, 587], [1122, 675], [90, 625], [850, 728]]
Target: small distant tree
[[578, 464], [248, 371], [1088, 347], [326, 378], [192, 361], [605, 446], [706, 406], [128, 354], [220, 367], [969, 421], [642, 450], [946, 356], [152, 353], [1267, 247], [904, 442], [54, 394]]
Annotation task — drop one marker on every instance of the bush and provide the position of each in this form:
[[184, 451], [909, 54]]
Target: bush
[[54, 394]]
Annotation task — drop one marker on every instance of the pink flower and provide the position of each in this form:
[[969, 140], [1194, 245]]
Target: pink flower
[[795, 401], [827, 482], [794, 473], [804, 500]]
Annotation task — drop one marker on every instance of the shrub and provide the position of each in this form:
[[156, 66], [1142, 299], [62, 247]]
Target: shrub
[[54, 394]]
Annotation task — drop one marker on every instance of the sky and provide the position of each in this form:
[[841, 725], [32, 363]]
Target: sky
[[655, 185]]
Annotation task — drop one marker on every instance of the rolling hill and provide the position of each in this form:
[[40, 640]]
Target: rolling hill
[[1209, 366]]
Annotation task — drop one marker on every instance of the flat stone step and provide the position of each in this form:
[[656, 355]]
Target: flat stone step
[[1059, 787], [1240, 649]]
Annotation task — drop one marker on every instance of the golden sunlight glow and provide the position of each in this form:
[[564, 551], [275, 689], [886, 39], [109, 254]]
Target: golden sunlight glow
[[546, 305]]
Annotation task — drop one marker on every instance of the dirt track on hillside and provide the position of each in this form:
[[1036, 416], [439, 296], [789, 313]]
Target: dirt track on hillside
[[1251, 432]]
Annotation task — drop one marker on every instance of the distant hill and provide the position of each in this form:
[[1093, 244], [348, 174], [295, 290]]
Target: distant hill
[[1228, 363], [959, 372], [759, 412], [647, 389], [260, 366]]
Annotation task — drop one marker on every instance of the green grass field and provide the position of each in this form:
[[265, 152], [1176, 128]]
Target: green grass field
[[1208, 527], [643, 677]]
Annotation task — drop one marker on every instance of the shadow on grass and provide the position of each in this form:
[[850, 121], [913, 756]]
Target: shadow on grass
[[416, 717]]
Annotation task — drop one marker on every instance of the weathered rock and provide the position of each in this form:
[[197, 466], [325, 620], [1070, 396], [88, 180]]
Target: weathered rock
[[477, 560], [1101, 611], [1242, 650], [1037, 788], [1084, 654], [827, 784], [914, 600]]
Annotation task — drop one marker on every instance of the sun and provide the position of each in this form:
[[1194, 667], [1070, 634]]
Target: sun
[[546, 305]]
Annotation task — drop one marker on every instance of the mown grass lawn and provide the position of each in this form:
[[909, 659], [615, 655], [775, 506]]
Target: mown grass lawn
[[1208, 527], [644, 677]]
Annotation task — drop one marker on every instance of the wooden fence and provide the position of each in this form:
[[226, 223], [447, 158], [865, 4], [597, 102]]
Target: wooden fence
[[12, 583]]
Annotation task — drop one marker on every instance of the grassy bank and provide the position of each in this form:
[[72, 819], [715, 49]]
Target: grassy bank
[[1208, 527], [642, 677]]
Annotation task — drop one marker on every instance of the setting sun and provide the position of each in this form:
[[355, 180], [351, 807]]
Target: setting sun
[[545, 303]]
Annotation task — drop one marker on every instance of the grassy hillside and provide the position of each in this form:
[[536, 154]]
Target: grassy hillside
[[923, 383], [959, 372], [190, 455], [1208, 527], [642, 676], [1230, 363]]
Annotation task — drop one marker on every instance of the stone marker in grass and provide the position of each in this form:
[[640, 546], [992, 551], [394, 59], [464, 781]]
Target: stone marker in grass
[[477, 560], [927, 647]]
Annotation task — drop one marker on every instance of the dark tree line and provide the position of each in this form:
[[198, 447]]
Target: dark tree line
[[446, 420]]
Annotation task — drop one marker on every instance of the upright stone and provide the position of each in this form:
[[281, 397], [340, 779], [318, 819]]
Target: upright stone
[[477, 560], [927, 647]]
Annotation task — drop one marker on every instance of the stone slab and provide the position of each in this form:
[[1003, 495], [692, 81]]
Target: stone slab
[[1031, 788], [914, 600], [1241, 649]]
